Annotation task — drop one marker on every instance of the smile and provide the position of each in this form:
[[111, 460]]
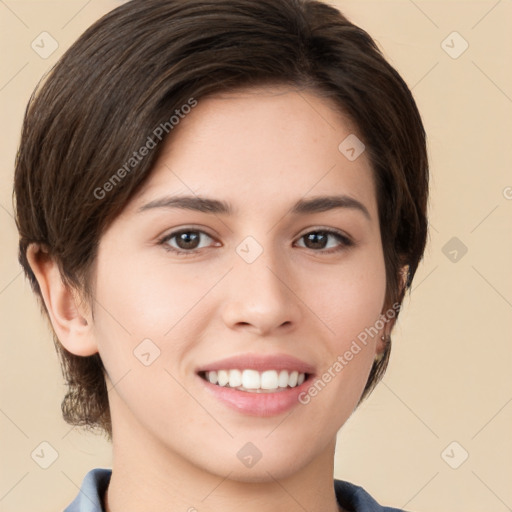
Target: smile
[[253, 381]]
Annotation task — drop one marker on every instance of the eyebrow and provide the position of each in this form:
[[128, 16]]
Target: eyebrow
[[215, 206]]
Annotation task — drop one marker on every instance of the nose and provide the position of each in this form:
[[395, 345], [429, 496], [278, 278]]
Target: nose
[[260, 297]]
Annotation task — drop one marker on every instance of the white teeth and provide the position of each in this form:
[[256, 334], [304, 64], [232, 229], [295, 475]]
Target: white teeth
[[223, 377], [235, 378], [269, 380], [283, 379], [251, 380]]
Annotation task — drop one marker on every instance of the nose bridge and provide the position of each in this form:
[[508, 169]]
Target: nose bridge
[[259, 267], [262, 272]]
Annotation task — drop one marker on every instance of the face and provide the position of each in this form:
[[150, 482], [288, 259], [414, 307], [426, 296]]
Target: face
[[251, 256]]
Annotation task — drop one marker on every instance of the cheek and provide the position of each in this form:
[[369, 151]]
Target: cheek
[[350, 300], [146, 297], [147, 316], [128, 309]]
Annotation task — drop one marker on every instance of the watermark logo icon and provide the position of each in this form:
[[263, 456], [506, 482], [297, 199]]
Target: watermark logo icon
[[44, 45], [454, 45], [147, 352], [351, 147], [454, 249], [249, 455], [454, 455], [44, 455], [249, 249]]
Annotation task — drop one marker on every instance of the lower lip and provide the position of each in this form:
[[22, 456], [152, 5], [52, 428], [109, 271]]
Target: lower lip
[[258, 404]]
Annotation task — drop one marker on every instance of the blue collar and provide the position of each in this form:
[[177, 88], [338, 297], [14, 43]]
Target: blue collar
[[90, 498]]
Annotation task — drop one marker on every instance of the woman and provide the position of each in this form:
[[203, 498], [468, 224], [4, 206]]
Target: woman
[[221, 205]]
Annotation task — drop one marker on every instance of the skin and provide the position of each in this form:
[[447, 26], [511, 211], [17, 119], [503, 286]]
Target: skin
[[174, 446]]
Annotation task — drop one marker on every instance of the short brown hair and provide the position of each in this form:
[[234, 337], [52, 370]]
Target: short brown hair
[[134, 67]]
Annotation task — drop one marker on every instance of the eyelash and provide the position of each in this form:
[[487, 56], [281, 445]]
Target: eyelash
[[342, 238]]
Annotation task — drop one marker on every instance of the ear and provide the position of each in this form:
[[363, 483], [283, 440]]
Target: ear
[[71, 319], [391, 313]]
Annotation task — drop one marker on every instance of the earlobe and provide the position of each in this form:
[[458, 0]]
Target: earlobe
[[390, 315], [404, 277], [71, 319], [382, 344]]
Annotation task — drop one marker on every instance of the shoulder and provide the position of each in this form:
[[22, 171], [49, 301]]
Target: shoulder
[[356, 499], [90, 497]]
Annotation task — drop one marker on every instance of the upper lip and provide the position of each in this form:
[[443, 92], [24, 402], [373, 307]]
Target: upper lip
[[259, 362]]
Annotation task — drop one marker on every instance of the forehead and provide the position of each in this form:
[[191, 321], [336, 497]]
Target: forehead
[[244, 147]]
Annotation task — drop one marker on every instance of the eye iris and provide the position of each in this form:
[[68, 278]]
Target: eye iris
[[317, 240], [187, 240]]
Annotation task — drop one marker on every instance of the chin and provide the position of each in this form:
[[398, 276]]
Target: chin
[[272, 464]]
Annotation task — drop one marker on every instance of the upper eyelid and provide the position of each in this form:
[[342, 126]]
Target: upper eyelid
[[333, 231], [177, 231]]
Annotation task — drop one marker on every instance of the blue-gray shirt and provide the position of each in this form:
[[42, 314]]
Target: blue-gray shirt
[[90, 498]]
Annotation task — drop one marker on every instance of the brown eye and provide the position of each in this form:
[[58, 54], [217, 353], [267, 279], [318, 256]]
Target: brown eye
[[186, 240], [324, 239], [317, 240]]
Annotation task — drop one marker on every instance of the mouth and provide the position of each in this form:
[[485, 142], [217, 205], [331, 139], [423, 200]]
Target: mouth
[[257, 384], [254, 381]]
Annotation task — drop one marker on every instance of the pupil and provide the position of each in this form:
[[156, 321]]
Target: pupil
[[188, 240], [316, 240]]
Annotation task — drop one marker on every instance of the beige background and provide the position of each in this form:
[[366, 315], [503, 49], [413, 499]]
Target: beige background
[[449, 378]]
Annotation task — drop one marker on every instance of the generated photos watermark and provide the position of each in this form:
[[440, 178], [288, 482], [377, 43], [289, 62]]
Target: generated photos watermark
[[151, 142], [344, 359]]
